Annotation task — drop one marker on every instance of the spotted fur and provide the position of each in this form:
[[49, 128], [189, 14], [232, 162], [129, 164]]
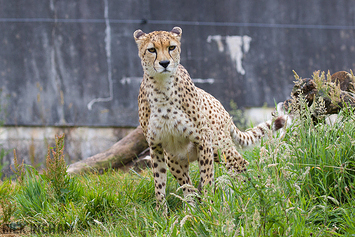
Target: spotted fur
[[183, 123]]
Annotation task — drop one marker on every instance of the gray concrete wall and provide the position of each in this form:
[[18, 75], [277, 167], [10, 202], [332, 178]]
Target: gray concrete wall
[[75, 62], [66, 64]]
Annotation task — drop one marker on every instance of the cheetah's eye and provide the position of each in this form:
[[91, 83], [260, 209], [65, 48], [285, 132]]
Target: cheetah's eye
[[152, 50], [172, 47]]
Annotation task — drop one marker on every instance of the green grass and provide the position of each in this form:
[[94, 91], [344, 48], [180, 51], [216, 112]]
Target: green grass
[[302, 184]]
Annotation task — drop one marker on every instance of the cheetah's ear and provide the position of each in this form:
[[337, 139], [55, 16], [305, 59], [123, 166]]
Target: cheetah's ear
[[138, 34], [177, 31]]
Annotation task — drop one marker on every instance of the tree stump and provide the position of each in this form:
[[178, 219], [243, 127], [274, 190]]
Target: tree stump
[[335, 90]]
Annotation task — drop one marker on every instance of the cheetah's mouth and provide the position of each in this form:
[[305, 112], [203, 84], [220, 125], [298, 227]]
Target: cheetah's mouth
[[162, 70], [165, 71]]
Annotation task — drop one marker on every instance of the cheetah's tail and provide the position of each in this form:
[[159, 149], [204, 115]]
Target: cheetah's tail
[[254, 135]]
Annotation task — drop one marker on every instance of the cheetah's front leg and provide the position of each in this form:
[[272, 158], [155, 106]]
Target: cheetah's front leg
[[159, 170], [205, 162], [179, 168]]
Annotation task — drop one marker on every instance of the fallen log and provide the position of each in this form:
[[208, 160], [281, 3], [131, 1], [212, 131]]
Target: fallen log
[[121, 153]]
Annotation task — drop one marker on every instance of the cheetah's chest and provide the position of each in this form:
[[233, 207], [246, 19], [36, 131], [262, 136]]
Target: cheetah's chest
[[172, 128]]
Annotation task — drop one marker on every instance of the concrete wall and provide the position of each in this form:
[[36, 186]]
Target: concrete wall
[[74, 63]]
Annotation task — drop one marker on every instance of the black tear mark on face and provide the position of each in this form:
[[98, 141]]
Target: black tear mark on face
[[170, 54]]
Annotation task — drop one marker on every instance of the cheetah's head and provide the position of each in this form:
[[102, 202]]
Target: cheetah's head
[[159, 51]]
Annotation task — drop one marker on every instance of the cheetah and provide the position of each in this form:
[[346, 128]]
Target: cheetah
[[181, 122]]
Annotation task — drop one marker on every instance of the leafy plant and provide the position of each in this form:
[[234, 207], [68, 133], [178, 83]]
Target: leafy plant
[[19, 169], [328, 155], [33, 199], [7, 204], [56, 168]]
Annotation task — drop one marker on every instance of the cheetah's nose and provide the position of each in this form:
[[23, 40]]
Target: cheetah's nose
[[164, 63]]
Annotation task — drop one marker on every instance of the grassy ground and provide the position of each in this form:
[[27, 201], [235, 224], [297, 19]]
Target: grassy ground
[[302, 184]]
